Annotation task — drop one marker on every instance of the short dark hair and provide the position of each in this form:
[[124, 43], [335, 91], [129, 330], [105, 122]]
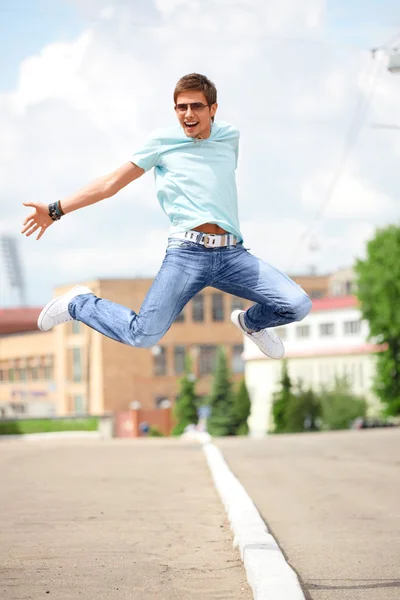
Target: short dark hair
[[197, 82]]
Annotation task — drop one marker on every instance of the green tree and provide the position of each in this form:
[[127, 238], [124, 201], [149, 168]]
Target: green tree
[[221, 420], [185, 410], [302, 411], [281, 399], [241, 409], [340, 407], [379, 292]]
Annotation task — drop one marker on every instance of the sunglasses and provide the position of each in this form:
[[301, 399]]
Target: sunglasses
[[195, 106]]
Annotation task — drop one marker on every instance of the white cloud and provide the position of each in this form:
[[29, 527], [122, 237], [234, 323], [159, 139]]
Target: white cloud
[[52, 74], [351, 199], [107, 12], [80, 109]]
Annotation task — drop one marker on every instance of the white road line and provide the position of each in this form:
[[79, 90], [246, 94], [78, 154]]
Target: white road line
[[268, 573]]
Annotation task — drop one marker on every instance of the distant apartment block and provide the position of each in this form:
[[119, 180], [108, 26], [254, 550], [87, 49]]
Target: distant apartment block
[[331, 341]]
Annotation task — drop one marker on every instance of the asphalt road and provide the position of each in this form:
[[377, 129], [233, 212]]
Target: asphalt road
[[123, 520], [332, 502]]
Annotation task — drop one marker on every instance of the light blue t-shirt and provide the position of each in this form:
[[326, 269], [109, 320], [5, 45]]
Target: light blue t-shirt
[[195, 179]]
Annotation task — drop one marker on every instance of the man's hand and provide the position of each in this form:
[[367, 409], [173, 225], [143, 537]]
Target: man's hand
[[39, 219]]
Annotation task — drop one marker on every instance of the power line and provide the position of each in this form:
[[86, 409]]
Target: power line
[[363, 103]]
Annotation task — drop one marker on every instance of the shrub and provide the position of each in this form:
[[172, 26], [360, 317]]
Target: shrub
[[340, 407], [22, 426]]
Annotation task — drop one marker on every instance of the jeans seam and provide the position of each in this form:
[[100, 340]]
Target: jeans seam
[[162, 332]]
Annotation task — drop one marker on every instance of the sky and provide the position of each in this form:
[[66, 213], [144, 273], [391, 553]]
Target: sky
[[83, 82]]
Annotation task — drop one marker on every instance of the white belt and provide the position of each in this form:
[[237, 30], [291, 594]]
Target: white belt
[[209, 240]]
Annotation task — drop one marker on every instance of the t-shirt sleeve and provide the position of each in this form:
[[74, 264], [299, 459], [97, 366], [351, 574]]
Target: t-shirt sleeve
[[146, 157], [229, 134], [234, 137], [236, 148]]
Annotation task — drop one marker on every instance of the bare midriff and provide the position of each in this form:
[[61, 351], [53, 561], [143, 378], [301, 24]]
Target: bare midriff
[[210, 228]]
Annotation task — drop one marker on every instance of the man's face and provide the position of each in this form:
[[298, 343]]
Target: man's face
[[195, 120]]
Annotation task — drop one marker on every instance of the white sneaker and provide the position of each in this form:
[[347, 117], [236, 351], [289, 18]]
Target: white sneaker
[[268, 342], [56, 311]]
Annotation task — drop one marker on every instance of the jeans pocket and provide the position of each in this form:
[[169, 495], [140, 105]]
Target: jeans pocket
[[181, 244], [237, 247]]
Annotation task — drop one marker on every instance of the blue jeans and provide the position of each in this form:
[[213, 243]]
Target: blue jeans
[[186, 270]]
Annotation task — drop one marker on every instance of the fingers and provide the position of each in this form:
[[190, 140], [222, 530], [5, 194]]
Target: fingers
[[28, 222], [31, 229], [41, 232]]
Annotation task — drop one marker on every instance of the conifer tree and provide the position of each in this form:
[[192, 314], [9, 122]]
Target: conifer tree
[[221, 420], [241, 409], [281, 400], [185, 410]]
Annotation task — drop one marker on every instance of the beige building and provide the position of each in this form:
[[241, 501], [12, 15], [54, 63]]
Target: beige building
[[73, 369], [342, 282], [316, 286], [27, 384]]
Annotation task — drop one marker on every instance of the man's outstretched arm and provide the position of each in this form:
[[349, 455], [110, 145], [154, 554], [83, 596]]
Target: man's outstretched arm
[[100, 189]]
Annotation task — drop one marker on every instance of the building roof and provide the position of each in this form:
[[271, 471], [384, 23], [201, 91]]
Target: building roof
[[334, 303], [18, 320]]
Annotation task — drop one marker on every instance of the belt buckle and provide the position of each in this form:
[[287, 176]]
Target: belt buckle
[[207, 241]]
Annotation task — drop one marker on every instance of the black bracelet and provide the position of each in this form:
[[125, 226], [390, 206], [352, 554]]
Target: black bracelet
[[53, 212]]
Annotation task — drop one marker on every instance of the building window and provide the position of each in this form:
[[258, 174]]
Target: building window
[[23, 375], [217, 307], [326, 329], [179, 360], [48, 373], [198, 308], [237, 303], [76, 327], [303, 331], [207, 359], [326, 373], [76, 364], [353, 373], [11, 375], [180, 318], [281, 332], [48, 368], [79, 405], [316, 294], [361, 374], [34, 373], [237, 361], [17, 408], [160, 361], [352, 327]]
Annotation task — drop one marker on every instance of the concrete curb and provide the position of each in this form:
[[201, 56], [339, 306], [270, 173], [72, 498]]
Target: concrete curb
[[268, 573]]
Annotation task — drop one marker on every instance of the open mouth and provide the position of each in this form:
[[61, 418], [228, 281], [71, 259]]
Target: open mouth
[[191, 124]]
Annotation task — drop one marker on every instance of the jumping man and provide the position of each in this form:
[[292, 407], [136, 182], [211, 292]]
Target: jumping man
[[194, 164]]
